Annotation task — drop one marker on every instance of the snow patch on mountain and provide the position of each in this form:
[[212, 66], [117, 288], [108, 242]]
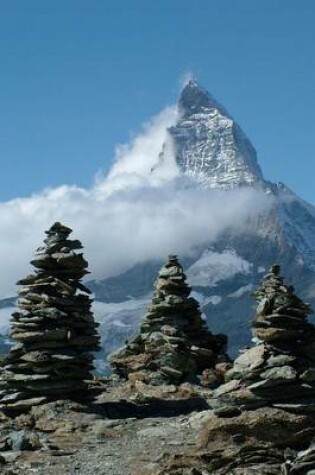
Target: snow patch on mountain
[[204, 300], [118, 314], [118, 322], [241, 291], [215, 299], [213, 267], [5, 316], [123, 316]]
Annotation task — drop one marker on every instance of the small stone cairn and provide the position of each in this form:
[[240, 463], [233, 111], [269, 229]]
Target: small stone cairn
[[280, 370], [53, 330], [174, 344]]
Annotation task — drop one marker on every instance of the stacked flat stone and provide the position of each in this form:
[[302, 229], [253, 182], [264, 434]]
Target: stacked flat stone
[[174, 343], [280, 370], [302, 464], [53, 330]]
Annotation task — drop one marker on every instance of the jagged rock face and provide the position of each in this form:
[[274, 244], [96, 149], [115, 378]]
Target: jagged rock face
[[280, 370], [53, 330], [209, 146], [174, 344]]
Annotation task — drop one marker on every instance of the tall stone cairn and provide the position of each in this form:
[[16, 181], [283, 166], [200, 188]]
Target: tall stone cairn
[[174, 344], [280, 370], [53, 330]]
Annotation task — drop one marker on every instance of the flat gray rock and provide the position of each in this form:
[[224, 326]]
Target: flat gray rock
[[280, 360], [281, 373], [252, 358], [226, 388]]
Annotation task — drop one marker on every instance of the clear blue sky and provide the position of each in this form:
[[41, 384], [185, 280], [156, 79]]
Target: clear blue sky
[[77, 77]]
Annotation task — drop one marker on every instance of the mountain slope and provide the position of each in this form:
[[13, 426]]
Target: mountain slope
[[212, 151]]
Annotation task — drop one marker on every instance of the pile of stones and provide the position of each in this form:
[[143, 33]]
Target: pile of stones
[[279, 370], [53, 330], [174, 344]]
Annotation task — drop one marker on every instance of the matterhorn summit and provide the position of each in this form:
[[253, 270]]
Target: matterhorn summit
[[209, 145]]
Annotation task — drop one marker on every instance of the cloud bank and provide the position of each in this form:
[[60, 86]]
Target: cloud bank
[[128, 216]]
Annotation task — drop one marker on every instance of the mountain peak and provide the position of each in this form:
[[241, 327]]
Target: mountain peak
[[195, 99], [210, 147]]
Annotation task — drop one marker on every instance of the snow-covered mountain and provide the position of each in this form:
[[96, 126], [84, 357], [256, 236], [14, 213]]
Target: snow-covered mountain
[[209, 148], [213, 151], [209, 145]]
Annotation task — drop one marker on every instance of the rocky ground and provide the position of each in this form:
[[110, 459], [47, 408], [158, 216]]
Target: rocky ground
[[137, 429], [128, 430]]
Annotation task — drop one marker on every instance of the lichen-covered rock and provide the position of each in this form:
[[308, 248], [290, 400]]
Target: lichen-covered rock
[[174, 343], [53, 330]]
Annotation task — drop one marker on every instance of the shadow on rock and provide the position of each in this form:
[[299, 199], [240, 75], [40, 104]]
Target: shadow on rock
[[152, 408]]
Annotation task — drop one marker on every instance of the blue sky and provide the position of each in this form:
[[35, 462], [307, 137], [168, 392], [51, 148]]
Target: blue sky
[[77, 78]]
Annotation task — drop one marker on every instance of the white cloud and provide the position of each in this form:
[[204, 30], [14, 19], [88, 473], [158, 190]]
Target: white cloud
[[128, 216], [134, 162], [185, 78]]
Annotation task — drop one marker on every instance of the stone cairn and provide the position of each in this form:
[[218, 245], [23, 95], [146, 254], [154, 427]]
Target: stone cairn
[[53, 330], [280, 370], [174, 344]]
